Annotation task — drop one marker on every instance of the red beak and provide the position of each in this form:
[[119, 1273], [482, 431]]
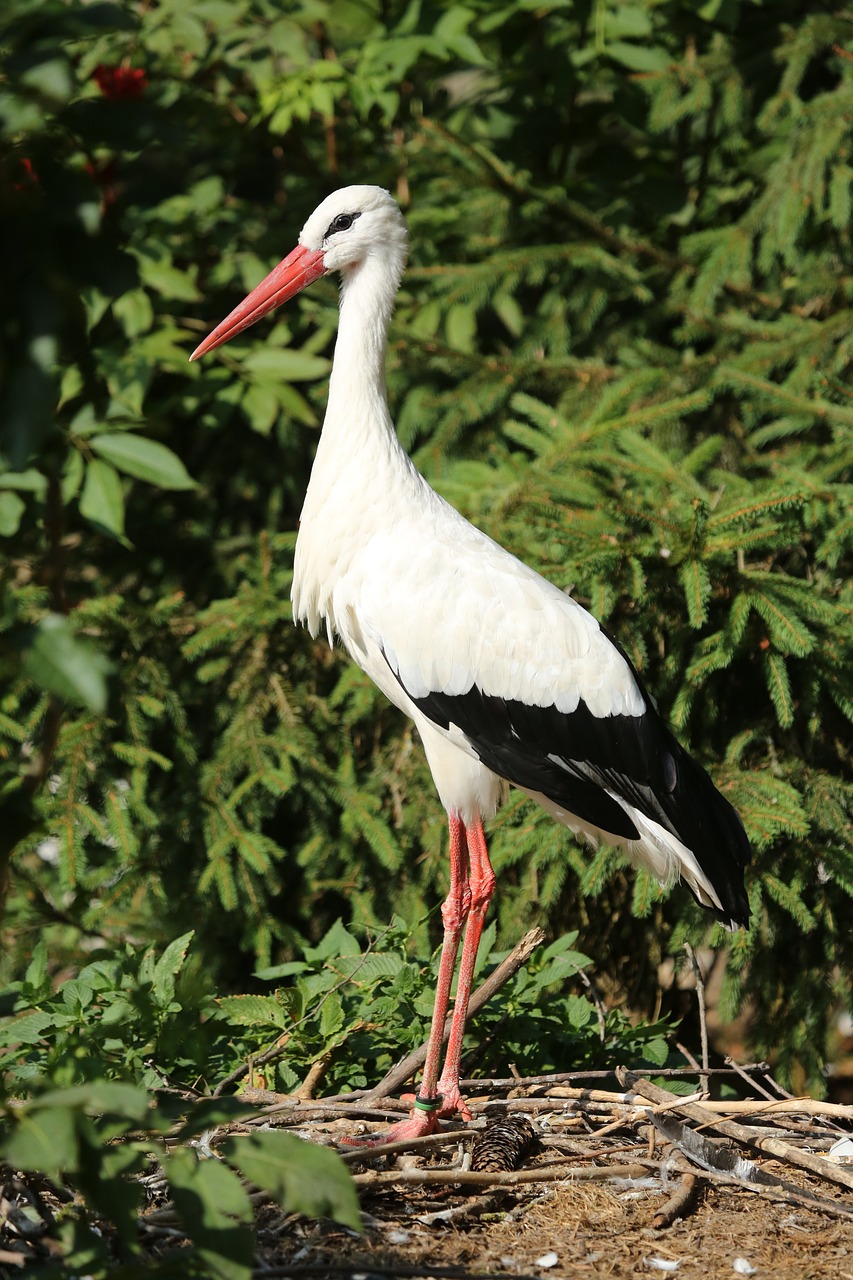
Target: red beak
[[291, 275]]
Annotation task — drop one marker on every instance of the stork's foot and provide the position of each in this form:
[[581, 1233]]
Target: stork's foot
[[452, 1100], [421, 1121], [414, 1126]]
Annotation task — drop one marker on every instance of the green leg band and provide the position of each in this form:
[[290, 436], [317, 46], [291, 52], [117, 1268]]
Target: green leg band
[[429, 1104]]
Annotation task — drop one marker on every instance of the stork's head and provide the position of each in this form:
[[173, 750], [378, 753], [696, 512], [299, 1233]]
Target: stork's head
[[352, 224], [351, 227]]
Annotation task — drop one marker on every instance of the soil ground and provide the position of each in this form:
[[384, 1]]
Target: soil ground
[[594, 1231]]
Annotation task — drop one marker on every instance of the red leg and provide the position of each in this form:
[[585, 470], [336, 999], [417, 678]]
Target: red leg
[[482, 889], [454, 913]]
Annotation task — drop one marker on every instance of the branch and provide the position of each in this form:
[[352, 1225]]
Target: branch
[[507, 969], [679, 1204], [469, 1178]]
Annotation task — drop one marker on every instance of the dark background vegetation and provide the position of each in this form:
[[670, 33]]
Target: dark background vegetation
[[623, 348]]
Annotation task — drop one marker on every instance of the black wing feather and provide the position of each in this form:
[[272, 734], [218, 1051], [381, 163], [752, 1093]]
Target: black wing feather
[[574, 758]]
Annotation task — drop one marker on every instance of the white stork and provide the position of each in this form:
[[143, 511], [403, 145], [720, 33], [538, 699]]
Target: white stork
[[505, 676]]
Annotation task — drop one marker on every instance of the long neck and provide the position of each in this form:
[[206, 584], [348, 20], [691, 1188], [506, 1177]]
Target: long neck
[[358, 452], [357, 426], [367, 300], [361, 474]]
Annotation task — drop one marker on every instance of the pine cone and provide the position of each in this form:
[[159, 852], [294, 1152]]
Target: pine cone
[[505, 1145]]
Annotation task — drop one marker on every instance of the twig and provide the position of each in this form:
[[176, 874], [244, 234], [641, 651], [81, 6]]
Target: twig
[[507, 969], [475, 1207], [566, 1077], [514, 1082], [470, 1178], [563, 1099], [9, 1259], [756, 1085], [315, 1074], [321, 1110], [680, 1203], [491, 1106], [703, 1020], [688, 1056], [599, 1007], [774, 1084], [745, 1107], [740, 1133]]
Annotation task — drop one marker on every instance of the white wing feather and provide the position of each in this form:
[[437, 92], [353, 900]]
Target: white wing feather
[[451, 609]]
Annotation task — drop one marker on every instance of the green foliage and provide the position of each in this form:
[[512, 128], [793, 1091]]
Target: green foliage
[[96, 1141], [148, 1018], [118, 1017], [622, 348], [104, 1062]]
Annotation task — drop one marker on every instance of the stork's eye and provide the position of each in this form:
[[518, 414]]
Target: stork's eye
[[342, 222]]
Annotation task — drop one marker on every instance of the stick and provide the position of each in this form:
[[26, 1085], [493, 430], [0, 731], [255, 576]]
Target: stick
[[679, 1203], [755, 1084], [370, 1266], [703, 1023], [746, 1107], [507, 969], [316, 1071], [566, 1077], [475, 1207], [470, 1178], [703, 1115]]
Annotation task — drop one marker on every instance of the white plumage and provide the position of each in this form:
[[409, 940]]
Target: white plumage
[[505, 676]]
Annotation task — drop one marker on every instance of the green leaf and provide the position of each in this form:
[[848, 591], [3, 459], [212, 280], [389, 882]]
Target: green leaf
[[216, 1212], [27, 1028], [58, 661], [373, 966], [284, 363], [37, 970], [254, 1011], [580, 1011], [50, 77], [143, 458], [11, 510], [105, 1176], [637, 57], [169, 965], [101, 1097], [301, 1177], [331, 1016], [206, 1113], [337, 941], [102, 500], [135, 311], [262, 406], [164, 278], [29, 481], [42, 1139]]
